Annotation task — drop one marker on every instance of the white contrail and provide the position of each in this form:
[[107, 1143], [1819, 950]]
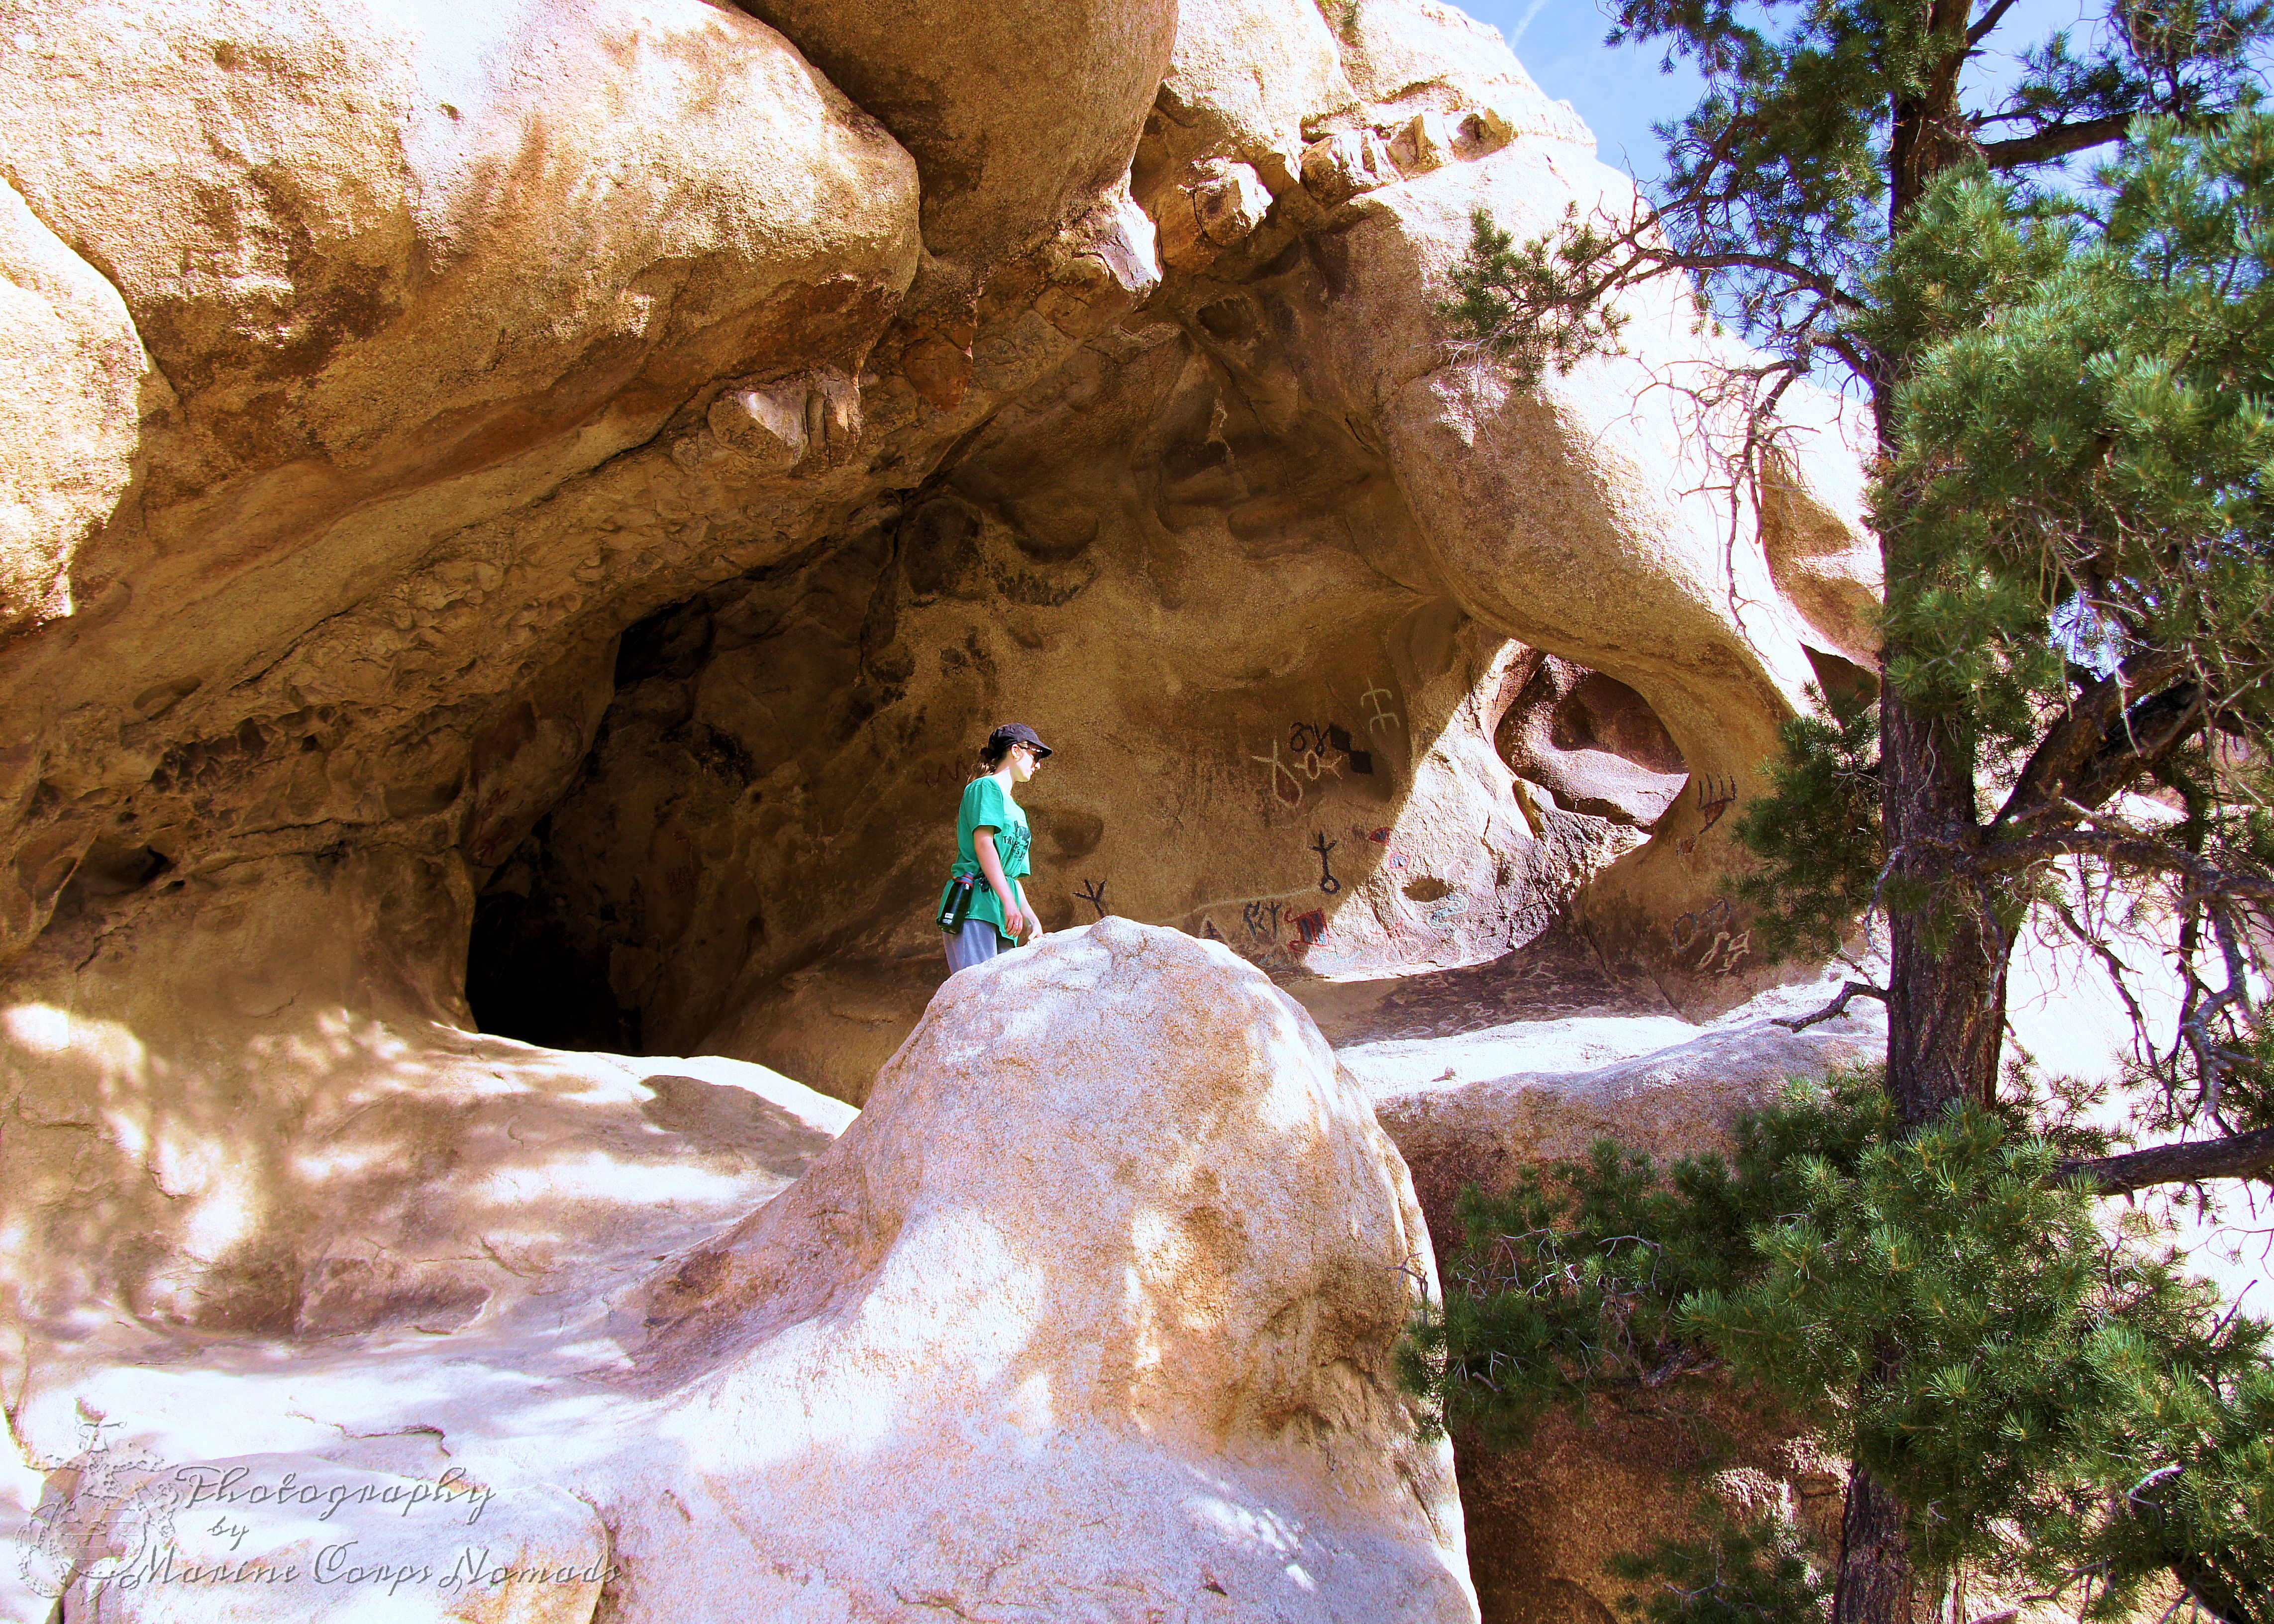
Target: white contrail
[[1524, 22]]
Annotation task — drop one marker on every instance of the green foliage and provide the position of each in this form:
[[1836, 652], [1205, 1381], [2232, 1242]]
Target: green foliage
[[1736, 1573], [2097, 443], [1529, 305], [1571, 1285], [2074, 401], [1816, 832], [1942, 1308], [1783, 174], [1959, 1323]]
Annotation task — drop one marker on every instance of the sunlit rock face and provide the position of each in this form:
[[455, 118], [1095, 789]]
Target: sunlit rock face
[[1350, 661], [1178, 468], [1093, 1310], [519, 515]]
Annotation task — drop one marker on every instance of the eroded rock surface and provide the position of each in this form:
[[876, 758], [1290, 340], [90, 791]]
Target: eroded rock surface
[[1091, 1312], [518, 517], [868, 459]]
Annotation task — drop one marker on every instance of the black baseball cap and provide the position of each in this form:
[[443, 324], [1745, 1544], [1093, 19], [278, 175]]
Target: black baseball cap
[[1016, 733]]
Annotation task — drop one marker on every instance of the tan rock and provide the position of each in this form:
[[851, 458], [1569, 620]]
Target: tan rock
[[1020, 116], [296, 1538], [1674, 1098], [898, 1388], [1425, 143], [1424, 51], [1592, 743], [73, 380], [1246, 77], [1338, 167], [253, 1115], [1219, 1435], [1215, 212], [403, 277], [1539, 543], [1483, 1108]]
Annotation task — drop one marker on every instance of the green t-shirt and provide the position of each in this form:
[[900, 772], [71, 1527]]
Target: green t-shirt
[[987, 805]]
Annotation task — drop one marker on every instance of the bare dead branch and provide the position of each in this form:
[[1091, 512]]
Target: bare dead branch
[[2238, 1155], [1837, 1006], [2123, 848], [1975, 36]]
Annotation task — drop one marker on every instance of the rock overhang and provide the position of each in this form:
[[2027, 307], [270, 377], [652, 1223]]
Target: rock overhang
[[643, 608]]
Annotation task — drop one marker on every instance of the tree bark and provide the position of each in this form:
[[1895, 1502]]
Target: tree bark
[[1946, 963], [2239, 1155], [1946, 976], [1878, 1583]]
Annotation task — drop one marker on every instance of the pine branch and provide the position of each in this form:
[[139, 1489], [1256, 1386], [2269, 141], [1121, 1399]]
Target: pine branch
[[2239, 1155], [2078, 744], [2055, 141]]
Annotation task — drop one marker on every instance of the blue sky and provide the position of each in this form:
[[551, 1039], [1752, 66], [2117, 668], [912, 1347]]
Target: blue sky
[[1621, 93]]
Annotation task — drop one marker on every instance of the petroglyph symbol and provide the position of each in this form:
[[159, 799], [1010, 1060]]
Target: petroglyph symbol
[[1093, 893], [1208, 932], [1289, 794], [1311, 928], [1327, 880], [1715, 799], [1714, 927], [1307, 766], [1312, 743], [1262, 920], [1379, 715]]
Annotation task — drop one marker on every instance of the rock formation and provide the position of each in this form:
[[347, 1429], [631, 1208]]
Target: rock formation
[[519, 515], [1090, 1313]]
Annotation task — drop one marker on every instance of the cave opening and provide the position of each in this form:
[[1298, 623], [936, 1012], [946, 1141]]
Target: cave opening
[[1591, 743]]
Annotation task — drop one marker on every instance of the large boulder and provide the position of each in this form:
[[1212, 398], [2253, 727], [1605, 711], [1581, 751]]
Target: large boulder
[[1021, 116], [954, 1408], [1484, 1106], [1094, 1311], [1525, 1096]]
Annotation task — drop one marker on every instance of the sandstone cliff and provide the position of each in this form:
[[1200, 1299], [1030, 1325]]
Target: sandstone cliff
[[519, 514]]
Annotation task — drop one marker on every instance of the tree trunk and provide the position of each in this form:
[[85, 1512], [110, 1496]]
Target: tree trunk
[[1946, 964], [1946, 975], [1878, 1584]]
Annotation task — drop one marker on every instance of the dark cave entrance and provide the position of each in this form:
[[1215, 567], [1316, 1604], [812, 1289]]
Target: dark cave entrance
[[527, 977], [545, 956]]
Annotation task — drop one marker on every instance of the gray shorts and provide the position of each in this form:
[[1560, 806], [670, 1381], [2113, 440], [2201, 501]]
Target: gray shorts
[[975, 943]]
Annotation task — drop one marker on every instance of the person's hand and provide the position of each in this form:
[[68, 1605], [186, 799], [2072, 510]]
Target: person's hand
[[1016, 923]]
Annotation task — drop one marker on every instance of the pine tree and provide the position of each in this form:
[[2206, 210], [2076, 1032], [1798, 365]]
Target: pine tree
[[2076, 1415], [2068, 400]]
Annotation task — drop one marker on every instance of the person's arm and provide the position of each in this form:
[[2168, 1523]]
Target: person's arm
[[982, 842], [1033, 919]]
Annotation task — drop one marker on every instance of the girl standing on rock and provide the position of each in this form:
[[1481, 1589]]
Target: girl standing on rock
[[983, 910]]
